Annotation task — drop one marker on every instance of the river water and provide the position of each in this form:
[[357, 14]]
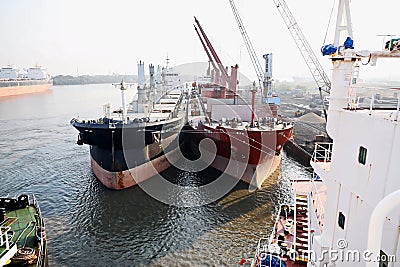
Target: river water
[[89, 225]]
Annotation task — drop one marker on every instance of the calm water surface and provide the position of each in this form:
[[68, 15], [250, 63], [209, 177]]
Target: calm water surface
[[89, 225]]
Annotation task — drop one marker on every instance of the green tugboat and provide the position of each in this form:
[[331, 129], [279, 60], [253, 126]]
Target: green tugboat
[[22, 232]]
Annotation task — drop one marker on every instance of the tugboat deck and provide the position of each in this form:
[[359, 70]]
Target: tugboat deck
[[22, 222], [22, 234]]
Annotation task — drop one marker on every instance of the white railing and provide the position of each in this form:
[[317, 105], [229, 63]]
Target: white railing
[[42, 249], [4, 237], [322, 152], [382, 98]]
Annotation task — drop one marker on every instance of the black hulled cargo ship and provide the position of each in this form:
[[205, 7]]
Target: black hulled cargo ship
[[136, 142]]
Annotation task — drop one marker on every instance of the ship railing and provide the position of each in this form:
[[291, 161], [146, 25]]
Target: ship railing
[[262, 254], [42, 235], [316, 202], [374, 98], [262, 244], [322, 152], [4, 236]]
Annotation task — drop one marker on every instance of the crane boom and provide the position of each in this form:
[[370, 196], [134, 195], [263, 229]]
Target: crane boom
[[210, 59], [212, 50], [309, 57], [254, 60]]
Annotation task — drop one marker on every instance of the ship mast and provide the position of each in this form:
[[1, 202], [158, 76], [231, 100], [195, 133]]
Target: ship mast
[[343, 22], [253, 103], [122, 87]]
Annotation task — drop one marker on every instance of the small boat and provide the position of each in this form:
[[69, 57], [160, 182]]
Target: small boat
[[22, 232]]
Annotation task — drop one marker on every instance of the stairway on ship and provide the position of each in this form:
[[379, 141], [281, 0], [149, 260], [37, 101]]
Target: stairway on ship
[[302, 224]]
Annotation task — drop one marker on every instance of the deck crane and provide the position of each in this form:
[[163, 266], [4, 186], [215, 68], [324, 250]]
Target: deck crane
[[264, 79], [227, 83], [318, 73], [224, 73]]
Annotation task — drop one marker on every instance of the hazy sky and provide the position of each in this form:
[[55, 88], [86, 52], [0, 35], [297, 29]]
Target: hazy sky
[[101, 37]]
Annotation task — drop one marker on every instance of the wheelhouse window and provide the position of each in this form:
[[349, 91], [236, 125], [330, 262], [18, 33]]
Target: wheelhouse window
[[362, 155], [341, 220]]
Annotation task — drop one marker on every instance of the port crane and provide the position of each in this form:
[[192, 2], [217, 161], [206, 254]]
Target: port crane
[[264, 79], [318, 73]]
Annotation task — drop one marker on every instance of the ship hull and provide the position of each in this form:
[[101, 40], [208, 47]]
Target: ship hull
[[253, 174], [251, 156], [20, 88], [133, 176], [297, 152], [124, 156]]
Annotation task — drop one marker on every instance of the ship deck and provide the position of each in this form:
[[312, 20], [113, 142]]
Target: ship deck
[[161, 111], [317, 192], [290, 239], [22, 224], [245, 126]]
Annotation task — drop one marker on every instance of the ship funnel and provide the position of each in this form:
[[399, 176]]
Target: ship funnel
[[152, 78], [233, 79], [159, 79], [141, 92], [141, 78]]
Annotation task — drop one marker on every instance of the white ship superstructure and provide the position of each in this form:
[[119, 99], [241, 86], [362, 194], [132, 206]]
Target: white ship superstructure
[[14, 73], [353, 202], [359, 224], [9, 73], [37, 73]]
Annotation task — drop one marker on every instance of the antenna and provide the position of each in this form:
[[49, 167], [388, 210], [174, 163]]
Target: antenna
[[167, 60]]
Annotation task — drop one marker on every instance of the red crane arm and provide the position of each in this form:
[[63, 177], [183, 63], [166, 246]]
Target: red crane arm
[[221, 67]]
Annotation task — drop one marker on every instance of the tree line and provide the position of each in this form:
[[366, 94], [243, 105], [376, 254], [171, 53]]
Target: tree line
[[92, 79]]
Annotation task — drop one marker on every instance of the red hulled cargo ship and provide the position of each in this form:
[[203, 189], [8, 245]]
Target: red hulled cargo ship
[[247, 139], [249, 153]]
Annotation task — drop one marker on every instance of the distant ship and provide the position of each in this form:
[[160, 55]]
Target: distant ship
[[14, 81], [131, 145]]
